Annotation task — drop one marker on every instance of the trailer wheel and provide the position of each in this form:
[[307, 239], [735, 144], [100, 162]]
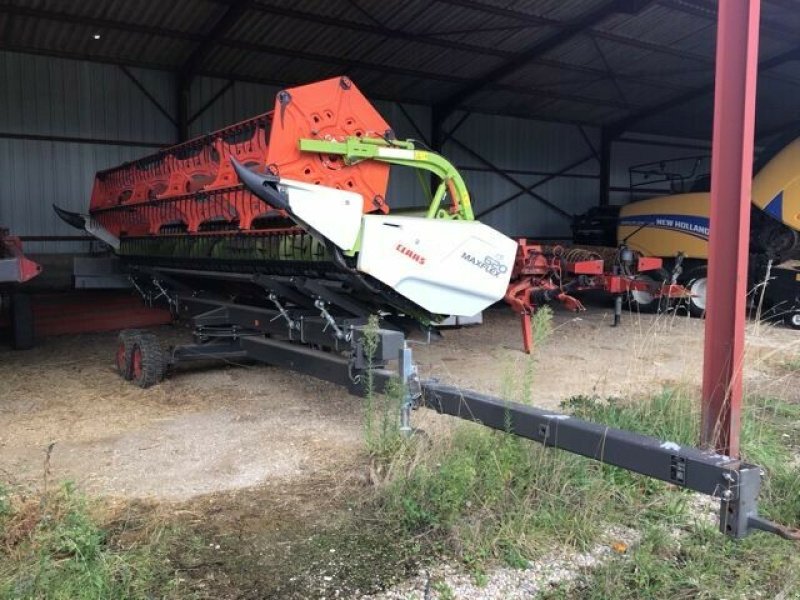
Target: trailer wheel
[[793, 320], [697, 285], [644, 301], [122, 357], [22, 332], [148, 363]]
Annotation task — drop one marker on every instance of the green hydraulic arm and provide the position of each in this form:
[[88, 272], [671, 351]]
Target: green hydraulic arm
[[354, 150]]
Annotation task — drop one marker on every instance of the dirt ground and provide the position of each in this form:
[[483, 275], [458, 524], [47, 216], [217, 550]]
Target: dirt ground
[[218, 428]]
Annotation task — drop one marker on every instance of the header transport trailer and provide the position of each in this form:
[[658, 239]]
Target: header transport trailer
[[275, 238]]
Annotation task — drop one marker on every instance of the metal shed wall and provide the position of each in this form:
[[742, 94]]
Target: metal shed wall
[[518, 145], [57, 98]]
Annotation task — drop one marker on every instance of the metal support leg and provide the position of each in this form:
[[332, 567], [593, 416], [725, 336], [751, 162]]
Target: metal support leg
[[617, 309], [408, 377]]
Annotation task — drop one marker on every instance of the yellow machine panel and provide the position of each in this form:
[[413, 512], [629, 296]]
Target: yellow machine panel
[[665, 225], [776, 187], [662, 226]]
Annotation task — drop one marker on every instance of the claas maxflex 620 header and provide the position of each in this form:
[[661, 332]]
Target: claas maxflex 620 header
[[299, 194], [294, 202]]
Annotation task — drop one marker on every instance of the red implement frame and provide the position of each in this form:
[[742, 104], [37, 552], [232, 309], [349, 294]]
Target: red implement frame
[[192, 188], [544, 273], [15, 267], [731, 175]]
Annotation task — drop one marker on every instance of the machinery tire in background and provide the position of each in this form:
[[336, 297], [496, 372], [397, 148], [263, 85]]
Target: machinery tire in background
[[644, 302], [22, 332], [148, 364], [696, 282], [793, 320]]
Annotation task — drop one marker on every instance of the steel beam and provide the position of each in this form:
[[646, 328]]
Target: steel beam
[[524, 17], [768, 63], [82, 140], [211, 101], [540, 48], [606, 142], [735, 483], [731, 176], [529, 189], [206, 44], [153, 100], [183, 87]]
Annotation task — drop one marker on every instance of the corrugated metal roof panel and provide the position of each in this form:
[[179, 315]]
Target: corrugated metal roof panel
[[668, 44]]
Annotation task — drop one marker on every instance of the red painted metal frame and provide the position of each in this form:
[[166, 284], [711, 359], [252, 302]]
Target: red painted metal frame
[[731, 175], [543, 273], [192, 185], [11, 249]]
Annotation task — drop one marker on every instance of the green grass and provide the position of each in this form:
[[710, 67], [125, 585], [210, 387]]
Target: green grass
[[486, 497], [52, 547]]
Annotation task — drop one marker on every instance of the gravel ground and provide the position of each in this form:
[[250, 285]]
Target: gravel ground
[[504, 583]]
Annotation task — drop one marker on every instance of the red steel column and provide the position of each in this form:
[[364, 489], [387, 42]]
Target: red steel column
[[731, 177]]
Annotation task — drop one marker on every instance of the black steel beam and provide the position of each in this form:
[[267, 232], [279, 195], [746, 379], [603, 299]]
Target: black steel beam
[[211, 101], [734, 482], [411, 121], [206, 44], [322, 365], [82, 140], [524, 17], [153, 100], [606, 142], [567, 32], [432, 40], [524, 189], [193, 64], [529, 189], [619, 127], [183, 89], [708, 10], [702, 471], [553, 174]]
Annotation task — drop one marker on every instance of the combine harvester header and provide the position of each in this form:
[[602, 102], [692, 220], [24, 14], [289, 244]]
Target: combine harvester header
[[301, 192]]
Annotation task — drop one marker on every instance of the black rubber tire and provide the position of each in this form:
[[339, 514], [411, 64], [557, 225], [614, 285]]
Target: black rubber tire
[[793, 319], [22, 331], [122, 358], [148, 361], [694, 278], [655, 305]]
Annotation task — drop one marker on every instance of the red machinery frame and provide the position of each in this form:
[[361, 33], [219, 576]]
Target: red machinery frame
[[192, 187], [15, 267], [543, 273]]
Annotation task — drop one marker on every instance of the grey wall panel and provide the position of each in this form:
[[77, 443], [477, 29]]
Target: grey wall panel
[[49, 96], [46, 96], [34, 175], [526, 145]]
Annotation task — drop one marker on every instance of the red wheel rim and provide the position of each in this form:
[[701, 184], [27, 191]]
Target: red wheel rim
[[121, 358], [136, 359]]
